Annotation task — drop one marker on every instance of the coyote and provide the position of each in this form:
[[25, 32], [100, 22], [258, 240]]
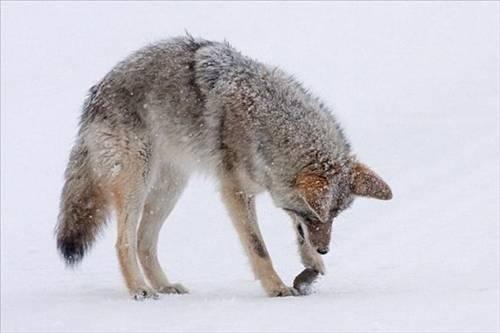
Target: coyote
[[186, 104]]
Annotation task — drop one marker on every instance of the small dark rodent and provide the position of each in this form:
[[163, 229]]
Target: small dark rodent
[[304, 280]]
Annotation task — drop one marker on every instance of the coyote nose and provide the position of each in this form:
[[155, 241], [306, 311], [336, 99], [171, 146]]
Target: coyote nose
[[323, 250]]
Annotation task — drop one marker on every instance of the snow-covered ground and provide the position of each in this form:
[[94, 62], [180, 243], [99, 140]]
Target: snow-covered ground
[[416, 87]]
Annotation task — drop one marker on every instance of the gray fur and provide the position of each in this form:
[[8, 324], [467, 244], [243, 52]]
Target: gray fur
[[199, 105]]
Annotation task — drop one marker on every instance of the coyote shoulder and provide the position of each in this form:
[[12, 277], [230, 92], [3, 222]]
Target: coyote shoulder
[[185, 105]]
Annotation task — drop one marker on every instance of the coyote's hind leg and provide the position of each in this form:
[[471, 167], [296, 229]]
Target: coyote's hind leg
[[128, 196], [166, 190]]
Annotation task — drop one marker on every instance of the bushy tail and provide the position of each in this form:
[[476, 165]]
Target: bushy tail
[[83, 209]]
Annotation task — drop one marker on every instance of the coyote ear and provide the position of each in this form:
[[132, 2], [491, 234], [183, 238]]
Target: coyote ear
[[314, 190], [365, 182]]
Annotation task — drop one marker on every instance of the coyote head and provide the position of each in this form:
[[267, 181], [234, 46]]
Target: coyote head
[[324, 194]]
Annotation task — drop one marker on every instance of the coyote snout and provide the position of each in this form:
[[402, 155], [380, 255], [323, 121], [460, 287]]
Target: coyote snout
[[323, 250], [317, 234]]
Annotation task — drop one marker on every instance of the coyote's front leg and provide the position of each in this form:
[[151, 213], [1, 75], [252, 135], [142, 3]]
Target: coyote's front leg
[[309, 257], [241, 207]]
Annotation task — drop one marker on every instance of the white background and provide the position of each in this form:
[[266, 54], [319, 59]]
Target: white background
[[416, 87]]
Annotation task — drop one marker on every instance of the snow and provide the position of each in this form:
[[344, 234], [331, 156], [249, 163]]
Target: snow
[[416, 88]]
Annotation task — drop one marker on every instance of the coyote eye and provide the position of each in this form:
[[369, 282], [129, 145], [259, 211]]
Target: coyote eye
[[303, 215], [308, 218], [301, 231]]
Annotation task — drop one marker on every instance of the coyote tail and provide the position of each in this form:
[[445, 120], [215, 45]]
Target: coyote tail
[[83, 208]]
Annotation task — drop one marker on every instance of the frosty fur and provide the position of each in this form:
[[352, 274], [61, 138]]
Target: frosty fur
[[185, 105]]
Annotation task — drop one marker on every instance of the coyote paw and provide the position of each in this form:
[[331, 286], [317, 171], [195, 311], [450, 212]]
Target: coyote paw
[[142, 293], [283, 292], [175, 288]]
